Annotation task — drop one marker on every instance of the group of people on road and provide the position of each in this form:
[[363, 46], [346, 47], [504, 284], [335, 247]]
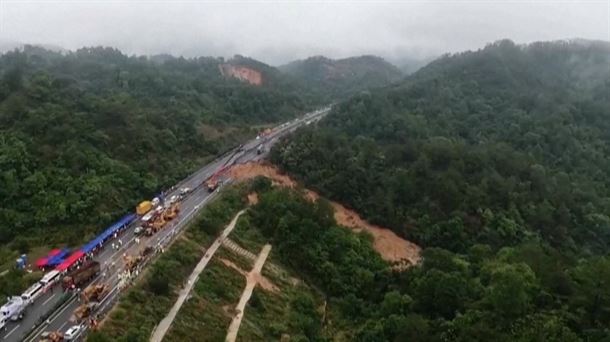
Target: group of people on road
[[117, 245]]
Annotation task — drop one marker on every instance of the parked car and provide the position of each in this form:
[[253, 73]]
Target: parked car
[[73, 332]]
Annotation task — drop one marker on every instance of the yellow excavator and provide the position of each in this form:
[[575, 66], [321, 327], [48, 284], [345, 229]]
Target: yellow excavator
[[84, 311], [131, 262], [94, 293]]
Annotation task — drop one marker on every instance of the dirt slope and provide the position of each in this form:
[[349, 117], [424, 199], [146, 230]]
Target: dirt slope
[[242, 73], [390, 246]]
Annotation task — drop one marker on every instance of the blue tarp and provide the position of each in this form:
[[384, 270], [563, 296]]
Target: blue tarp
[[125, 220], [58, 258], [92, 244]]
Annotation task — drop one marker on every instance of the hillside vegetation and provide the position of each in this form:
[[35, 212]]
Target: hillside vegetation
[[86, 135], [496, 161], [338, 78]]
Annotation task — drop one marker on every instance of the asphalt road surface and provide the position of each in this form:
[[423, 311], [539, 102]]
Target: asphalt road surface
[[61, 318]]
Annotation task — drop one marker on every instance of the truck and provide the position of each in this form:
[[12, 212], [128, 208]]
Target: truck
[[94, 293], [144, 207], [158, 221], [13, 310], [84, 311], [80, 276], [171, 212], [131, 262], [212, 184]]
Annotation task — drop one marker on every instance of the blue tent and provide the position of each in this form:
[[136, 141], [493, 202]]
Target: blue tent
[[58, 258], [125, 220], [92, 244]]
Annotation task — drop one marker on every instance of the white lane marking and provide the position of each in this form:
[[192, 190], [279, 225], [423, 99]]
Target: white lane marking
[[12, 331], [63, 325], [46, 301], [64, 309]]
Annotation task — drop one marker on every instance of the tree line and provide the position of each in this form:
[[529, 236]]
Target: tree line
[[86, 135], [495, 161]]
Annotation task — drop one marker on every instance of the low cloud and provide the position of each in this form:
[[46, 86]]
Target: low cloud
[[277, 32]]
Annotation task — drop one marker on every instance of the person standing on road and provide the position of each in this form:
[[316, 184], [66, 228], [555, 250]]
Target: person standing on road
[[120, 243]]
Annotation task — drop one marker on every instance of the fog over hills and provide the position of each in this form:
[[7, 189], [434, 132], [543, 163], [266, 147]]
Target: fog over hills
[[277, 33]]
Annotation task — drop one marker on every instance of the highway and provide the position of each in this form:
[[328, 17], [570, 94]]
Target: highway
[[61, 318]]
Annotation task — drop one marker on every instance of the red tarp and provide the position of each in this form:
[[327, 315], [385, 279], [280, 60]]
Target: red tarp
[[43, 261], [70, 260]]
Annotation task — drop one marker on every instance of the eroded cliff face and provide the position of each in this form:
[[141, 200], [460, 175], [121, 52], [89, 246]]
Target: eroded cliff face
[[242, 73]]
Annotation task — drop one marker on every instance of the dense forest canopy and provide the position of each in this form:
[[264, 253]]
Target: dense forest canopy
[[501, 144], [85, 135], [496, 161], [334, 79]]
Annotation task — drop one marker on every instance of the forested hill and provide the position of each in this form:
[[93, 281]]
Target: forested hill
[[518, 131], [500, 158], [85, 135], [342, 77]]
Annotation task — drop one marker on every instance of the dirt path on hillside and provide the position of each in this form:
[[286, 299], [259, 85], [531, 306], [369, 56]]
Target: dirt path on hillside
[[265, 283], [252, 278], [165, 324], [390, 246]]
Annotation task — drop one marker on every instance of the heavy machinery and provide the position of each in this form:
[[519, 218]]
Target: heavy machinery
[[212, 183], [84, 311], [171, 212], [154, 225], [144, 207], [160, 218], [81, 275], [131, 262], [51, 336], [94, 293]]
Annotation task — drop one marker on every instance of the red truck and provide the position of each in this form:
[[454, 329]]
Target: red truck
[[81, 275]]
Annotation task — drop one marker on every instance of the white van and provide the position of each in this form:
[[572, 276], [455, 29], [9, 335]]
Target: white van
[[14, 309], [30, 295], [49, 278]]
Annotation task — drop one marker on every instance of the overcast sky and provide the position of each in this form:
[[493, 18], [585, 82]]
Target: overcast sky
[[276, 32]]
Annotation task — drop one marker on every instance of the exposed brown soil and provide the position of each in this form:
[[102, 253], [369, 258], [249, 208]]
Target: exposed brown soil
[[242, 73], [252, 198], [390, 246]]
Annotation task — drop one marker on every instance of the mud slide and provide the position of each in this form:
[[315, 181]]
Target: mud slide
[[390, 246]]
